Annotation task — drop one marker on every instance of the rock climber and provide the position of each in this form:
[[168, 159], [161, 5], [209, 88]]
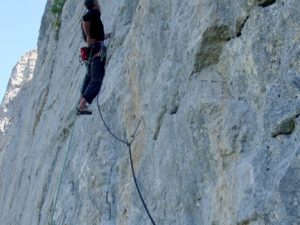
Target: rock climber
[[94, 36]]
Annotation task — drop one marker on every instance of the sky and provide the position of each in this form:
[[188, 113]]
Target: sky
[[19, 23]]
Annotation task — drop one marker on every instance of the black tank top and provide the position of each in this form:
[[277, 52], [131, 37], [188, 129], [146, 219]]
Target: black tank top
[[97, 28]]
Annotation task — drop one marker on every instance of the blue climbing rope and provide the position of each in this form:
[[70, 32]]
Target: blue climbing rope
[[61, 176]]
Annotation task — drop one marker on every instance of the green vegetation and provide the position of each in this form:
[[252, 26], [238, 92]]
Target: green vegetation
[[56, 9]]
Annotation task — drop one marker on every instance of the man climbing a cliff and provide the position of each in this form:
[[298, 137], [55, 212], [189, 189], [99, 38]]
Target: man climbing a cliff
[[94, 36]]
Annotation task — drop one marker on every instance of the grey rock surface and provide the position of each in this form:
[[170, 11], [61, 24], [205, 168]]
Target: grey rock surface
[[13, 102], [216, 84]]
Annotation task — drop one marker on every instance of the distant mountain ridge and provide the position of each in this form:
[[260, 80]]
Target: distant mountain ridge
[[15, 96]]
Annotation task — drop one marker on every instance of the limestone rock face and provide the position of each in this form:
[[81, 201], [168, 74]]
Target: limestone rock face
[[15, 98], [215, 85]]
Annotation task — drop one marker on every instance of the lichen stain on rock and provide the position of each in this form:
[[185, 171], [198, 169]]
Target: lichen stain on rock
[[285, 127], [211, 46]]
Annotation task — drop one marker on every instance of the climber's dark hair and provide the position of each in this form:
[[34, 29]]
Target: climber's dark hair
[[89, 3]]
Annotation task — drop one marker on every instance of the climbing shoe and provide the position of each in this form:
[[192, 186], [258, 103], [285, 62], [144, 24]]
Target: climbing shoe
[[83, 112]]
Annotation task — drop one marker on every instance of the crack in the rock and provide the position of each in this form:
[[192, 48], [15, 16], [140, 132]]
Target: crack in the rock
[[267, 3], [240, 26], [286, 126], [109, 205], [159, 123], [215, 37], [249, 220]]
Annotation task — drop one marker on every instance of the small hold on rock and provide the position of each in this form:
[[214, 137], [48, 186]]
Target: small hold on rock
[[287, 126]]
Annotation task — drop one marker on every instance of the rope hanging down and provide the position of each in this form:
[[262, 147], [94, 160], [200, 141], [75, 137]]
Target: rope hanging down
[[130, 157], [127, 143], [61, 176]]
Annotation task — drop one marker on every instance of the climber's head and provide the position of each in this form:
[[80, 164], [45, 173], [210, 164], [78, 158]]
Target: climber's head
[[90, 4]]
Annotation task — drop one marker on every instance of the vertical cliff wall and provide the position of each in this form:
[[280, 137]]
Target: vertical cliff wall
[[216, 85], [13, 102]]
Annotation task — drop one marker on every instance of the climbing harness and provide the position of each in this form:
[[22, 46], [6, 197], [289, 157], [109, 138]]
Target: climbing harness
[[85, 56], [128, 144]]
